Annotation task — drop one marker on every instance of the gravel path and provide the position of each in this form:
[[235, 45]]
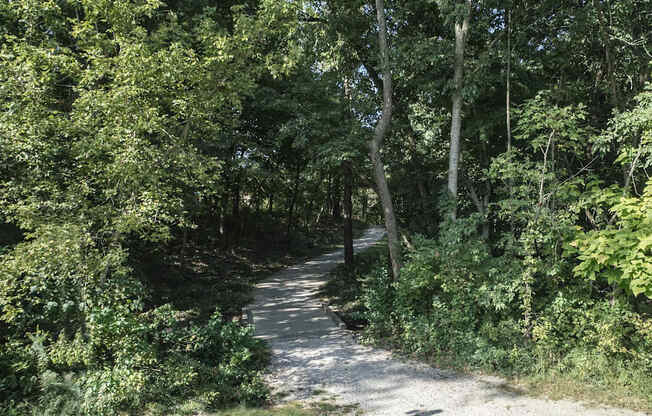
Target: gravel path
[[310, 352]]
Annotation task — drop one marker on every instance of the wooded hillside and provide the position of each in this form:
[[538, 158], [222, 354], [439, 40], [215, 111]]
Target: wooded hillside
[[149, 148]]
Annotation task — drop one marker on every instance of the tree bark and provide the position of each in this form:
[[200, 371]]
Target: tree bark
[[376, 143], [236, 220], [336, 199], [270, 203], [614, 97], [481, 205], [509, 76], [291, 206], [184, 251], [329, 197], [219, 224], [225, 225], [418, 177], [461, 30], [347, 175]]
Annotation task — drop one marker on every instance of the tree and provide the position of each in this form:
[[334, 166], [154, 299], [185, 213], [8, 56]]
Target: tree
[[347, 174], [462, 17], [381, 130]]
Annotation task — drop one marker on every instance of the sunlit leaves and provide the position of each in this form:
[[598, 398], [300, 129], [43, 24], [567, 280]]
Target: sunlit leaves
[[541, 120], [630, 132], [621, 251]]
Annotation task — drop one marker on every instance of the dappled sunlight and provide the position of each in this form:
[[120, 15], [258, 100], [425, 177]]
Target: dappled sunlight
[[311, 352]]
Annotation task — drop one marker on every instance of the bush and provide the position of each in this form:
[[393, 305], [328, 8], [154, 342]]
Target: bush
[[456, 301], [76, 339]]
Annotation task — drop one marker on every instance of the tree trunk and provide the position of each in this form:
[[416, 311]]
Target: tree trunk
[[482, 206], [376, 142], [184, 251], [291, 205], [219, 225], [614, 97], [236, 223], [461, 29], [270, 203], [509, 75], [329, 197], [423, 194], [336, 199], [308, 213], [347, 175], [225, 226]]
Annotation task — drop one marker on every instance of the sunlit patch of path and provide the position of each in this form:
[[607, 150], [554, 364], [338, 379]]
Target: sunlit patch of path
[[311, 352]]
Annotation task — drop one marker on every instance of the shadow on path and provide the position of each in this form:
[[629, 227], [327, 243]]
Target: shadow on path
[[310, 352]]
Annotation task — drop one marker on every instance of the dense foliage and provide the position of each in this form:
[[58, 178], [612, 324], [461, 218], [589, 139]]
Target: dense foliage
[[124, 128], [546, 269], [135, 134]]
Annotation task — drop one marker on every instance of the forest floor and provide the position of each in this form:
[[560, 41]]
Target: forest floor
[[315, 359], [210, 276]]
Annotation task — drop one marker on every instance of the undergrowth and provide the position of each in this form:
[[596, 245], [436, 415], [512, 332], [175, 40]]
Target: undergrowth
[[342, 291], [457, 305], [131, 331]]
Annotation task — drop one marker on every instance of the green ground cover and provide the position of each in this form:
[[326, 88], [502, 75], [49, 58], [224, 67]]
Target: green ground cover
[[581, 348], [181, 350]]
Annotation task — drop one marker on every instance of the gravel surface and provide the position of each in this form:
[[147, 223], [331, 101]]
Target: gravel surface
[[312, 353]]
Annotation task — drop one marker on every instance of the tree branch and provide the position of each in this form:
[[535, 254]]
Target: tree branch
[[474, 197]]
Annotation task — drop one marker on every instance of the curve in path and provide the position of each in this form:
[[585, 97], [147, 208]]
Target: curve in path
[[311, 352]]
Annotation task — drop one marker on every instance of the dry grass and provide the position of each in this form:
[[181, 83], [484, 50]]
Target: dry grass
[[556, 387]]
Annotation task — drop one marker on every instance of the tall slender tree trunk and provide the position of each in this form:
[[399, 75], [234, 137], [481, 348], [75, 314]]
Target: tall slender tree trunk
[[236, 220], [609, 53], [225, 225], [418, 177], [329, 197], [270, 203], [292, 204], [461, 30], [218, 223], [376, 143], [336, 198], [614, 96], [347, 175], [508, 120], [308, 214], [508, 101], [184, 250]]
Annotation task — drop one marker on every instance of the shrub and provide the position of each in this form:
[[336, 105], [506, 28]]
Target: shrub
[[456, 301], [76, 339]]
